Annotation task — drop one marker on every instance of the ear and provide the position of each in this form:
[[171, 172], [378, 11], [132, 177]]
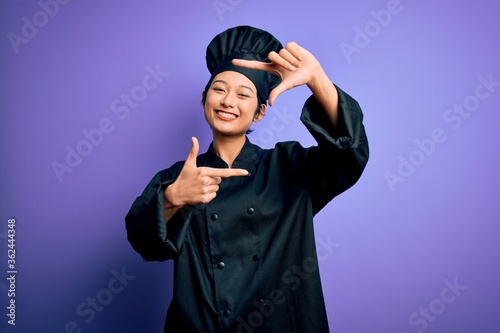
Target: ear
[[203, 97], [262, 111]]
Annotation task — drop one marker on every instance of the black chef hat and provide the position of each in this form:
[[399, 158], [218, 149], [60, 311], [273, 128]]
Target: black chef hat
[[244, 42]]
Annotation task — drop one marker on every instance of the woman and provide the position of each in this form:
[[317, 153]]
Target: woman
[[237, 220]]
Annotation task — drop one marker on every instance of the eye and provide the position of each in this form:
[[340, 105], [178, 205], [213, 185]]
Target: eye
[[244, 95], [218, 89]]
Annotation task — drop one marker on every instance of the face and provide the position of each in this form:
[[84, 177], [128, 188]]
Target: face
[[230, 105]]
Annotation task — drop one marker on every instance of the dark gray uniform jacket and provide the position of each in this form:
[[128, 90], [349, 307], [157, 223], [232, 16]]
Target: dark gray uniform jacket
[[246, 261]]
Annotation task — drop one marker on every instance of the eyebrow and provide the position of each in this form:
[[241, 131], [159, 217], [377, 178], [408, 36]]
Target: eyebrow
[[241, 85]]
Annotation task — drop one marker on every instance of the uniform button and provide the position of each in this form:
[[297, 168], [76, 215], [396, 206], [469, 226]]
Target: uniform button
[[221, 265], [256, 257], [250, 210], [226, 313], [261, 301], [214, 217]]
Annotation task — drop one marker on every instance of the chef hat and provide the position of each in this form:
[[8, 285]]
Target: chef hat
[[244, 42]]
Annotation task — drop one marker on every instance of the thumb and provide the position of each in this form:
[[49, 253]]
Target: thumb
[[191, 159], [273, 95], [281, 88]]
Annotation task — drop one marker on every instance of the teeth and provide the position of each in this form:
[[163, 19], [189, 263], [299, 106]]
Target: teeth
[[227, 115]]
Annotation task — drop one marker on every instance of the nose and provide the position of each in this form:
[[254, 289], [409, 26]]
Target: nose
[[228, 100]]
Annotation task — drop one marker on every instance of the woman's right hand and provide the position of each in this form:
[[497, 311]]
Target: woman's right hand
[[195, 185]]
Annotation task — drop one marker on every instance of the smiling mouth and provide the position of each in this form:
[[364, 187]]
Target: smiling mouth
[[226, 115]]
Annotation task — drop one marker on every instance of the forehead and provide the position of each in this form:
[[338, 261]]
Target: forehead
[[235, 79]]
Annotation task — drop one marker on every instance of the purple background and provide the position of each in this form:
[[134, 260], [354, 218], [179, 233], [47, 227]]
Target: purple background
[[388, 249]]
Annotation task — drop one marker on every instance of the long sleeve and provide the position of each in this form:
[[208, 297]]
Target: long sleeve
[[233, 253], [338, 161], [147, 231]]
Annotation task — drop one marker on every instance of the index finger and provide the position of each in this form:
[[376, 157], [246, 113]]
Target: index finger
[[226, 173]]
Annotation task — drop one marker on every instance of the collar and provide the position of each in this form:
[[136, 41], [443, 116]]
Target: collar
[[246, 159]]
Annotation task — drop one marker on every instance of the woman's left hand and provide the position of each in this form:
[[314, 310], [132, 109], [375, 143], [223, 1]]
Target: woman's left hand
[[293, 64]]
